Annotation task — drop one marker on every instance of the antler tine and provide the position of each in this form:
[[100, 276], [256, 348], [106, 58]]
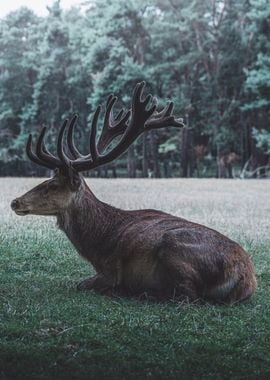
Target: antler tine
[[81, 163], [43, 153], [164, 118], [141, 110], [33, 157], [137, 103], [93, 146], [66, 162], [112, 126], [72, 148], [109, 99], [108, 112], [167, 111], [109, 106]]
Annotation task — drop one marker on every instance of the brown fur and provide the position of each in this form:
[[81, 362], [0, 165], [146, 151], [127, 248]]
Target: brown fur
[[144, 252]]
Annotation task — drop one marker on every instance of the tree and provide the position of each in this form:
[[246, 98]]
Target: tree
[[62, 86], [210, 58], [17, 76], [117, 57], [257, 106]]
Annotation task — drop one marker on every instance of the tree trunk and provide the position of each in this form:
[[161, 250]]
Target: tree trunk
[[131, 166], [154, 153], [167, 168], [186, 159], [145, 160], [114, 172]]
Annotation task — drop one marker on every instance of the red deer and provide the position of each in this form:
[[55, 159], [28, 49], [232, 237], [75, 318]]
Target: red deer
[[133, 252]]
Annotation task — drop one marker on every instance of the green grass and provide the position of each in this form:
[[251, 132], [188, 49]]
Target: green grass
[[48, 330]]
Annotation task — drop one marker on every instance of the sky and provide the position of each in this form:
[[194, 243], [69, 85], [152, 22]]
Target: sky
[[38, 6]]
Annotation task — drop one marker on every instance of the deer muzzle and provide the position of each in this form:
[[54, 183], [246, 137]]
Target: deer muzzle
[[15, 206]]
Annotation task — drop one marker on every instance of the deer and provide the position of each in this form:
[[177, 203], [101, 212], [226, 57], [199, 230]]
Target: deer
[[134, 252]]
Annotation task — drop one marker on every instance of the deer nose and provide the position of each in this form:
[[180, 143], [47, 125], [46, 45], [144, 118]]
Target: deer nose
[[14, 204]]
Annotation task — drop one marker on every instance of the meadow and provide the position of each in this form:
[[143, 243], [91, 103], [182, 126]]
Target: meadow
[[49, 330]]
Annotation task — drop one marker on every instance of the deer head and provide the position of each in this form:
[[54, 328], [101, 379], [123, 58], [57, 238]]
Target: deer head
[[54, 195]]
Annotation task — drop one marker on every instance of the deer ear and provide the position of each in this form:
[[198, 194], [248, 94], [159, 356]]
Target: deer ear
[[74, 179]]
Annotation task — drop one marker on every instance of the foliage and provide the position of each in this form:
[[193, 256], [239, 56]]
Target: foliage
[[210, 58], [258, 74], [262, 138]]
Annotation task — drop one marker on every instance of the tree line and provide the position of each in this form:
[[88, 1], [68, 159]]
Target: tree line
[[210, 57]]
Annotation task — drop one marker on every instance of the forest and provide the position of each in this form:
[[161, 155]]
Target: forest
[[211, 58]]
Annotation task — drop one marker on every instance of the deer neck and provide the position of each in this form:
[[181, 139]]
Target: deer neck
[[90, 224]]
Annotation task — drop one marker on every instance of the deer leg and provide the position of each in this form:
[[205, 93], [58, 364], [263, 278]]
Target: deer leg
[[98, 283], [182, 279]]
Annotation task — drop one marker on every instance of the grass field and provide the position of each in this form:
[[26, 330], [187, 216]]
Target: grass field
[[49, 330]]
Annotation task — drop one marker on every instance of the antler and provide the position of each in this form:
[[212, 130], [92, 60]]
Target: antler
[[164, 119], [112, 126], [130, 125]]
